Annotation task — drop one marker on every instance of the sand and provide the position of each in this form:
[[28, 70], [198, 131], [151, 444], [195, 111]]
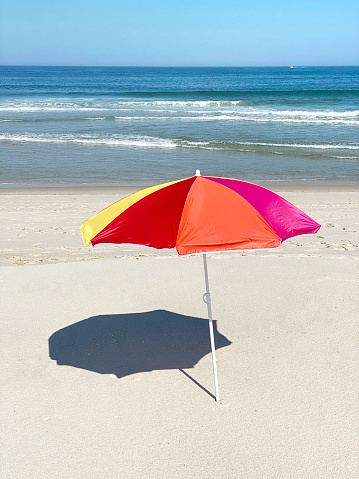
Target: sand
[[105, 360]]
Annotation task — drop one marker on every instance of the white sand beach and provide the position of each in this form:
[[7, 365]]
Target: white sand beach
[[106, 368]]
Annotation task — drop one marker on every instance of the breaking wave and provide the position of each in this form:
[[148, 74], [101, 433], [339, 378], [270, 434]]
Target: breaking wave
[[142, 141]]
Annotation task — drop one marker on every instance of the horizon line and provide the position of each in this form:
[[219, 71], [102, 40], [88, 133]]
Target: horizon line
[[177, 66]]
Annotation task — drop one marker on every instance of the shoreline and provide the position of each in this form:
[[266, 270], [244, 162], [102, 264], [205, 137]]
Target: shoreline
[[128, 190]]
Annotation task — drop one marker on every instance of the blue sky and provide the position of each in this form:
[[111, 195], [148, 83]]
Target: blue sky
[[179, 33]]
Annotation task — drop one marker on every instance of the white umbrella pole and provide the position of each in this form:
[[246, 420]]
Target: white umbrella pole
[[210, 323]]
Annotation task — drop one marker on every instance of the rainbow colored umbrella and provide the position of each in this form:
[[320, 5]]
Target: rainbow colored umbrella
[[201, 214]]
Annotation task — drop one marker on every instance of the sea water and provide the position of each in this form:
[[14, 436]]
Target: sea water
[[122, 126]]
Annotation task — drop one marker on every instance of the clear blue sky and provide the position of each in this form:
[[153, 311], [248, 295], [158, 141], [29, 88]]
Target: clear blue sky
[[179, 32]]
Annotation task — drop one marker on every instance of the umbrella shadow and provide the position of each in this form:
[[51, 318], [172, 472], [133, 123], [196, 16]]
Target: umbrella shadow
[[125, 344]]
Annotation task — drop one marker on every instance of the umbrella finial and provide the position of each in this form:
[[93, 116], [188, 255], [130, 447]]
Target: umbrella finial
[[198, 173]]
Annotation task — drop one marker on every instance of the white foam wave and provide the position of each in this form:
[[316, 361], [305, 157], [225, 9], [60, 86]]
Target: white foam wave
[[307, 113], [154, 142], [93, 105], [96, 118], [211, 117], [239, 119], [213, 145], [34, 109], [10, 121], [184, 111], [198, 103], [114, 140]]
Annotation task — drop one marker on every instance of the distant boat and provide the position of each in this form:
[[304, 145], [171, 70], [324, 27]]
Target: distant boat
[[292, 66]]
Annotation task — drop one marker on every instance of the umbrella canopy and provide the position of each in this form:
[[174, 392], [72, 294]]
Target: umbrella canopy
[[200, 214]]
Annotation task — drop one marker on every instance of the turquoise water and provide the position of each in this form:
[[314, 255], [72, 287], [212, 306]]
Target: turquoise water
[[105, 126]]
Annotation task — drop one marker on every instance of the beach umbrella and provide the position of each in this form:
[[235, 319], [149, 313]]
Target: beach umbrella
[[200, 215]]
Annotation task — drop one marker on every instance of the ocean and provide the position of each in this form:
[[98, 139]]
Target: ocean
[[87, 126]]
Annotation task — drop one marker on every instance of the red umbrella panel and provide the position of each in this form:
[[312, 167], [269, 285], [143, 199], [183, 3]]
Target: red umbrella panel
[[200, 214]]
